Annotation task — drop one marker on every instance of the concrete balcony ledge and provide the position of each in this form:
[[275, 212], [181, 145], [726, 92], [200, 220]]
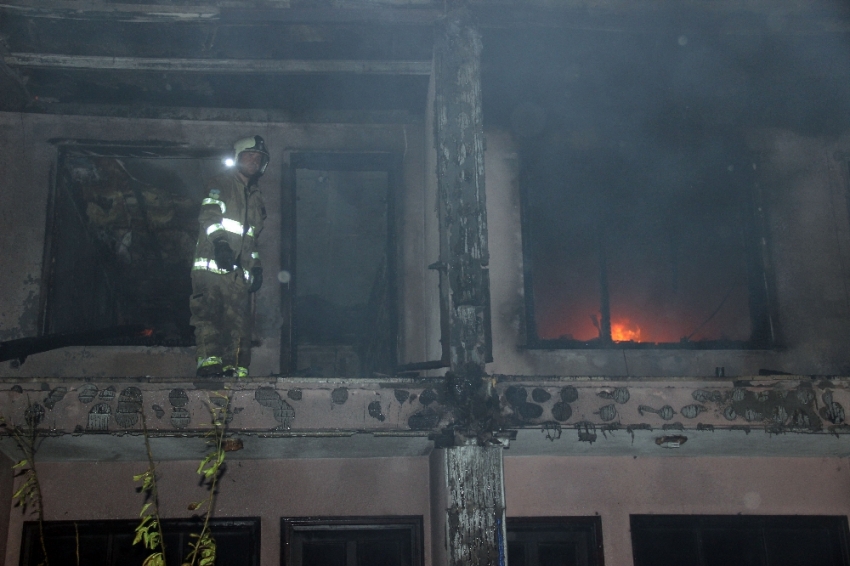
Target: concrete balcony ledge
[[99, 419]]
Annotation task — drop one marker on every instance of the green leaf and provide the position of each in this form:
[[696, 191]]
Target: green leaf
[[20, 464], [144, 508], [140, 476], [154, 559], [204, 462], [24, 489]]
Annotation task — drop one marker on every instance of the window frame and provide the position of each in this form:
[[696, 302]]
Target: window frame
[[389, 162], [290, 526], [760, 282], [68, 147], [549, 526], [700, 523], [30, 536]]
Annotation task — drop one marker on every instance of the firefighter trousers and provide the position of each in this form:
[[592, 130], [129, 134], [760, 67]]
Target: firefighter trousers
[[221, 314]]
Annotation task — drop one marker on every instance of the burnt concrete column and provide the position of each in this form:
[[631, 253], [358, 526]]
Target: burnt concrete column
[[468, 522], [468, 507], [459, 132]]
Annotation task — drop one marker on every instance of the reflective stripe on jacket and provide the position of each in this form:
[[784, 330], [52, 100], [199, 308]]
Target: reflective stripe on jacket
[[235, 213]]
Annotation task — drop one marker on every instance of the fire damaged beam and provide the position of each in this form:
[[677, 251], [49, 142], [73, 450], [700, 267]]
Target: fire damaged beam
[[459, 127], [475, 518], [215, 66], [473, 479]]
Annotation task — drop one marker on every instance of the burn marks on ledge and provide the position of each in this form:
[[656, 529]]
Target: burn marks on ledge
[[772, 406]]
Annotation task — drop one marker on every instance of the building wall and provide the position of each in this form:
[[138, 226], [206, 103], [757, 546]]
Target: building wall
[[617, 487], [808, 245], [269, 489], [535, 486], [807, 239]]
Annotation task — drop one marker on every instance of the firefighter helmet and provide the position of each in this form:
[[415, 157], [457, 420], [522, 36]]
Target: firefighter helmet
[[256, 145]]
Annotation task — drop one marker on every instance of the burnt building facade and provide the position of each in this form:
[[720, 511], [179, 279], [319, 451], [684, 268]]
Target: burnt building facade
[[546, 282]]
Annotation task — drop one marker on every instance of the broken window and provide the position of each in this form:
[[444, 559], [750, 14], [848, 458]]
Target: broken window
[[555, 541], [633, 247], [642, 222], [344, 321], [717, 540], [392, 541], [110, 543], [124, 224]]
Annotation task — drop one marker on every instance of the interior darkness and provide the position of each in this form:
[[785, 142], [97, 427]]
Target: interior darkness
[[637, 184], [110, 543], [680, 540], [341, 275], [573, 541], [124, 236], [379, 544], [341, 228]]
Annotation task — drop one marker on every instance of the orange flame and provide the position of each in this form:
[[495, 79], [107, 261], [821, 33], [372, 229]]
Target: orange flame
[[625, 331]]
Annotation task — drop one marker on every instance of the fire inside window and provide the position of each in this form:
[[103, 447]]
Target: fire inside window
[[631, 247]]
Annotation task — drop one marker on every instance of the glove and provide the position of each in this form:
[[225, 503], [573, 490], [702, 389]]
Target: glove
[[257, 281], [223, 256]]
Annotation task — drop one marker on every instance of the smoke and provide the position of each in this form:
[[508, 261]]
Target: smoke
[[636, 174]]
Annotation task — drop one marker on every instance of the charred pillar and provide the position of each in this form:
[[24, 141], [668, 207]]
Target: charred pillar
[[468, 485], [459, 128]]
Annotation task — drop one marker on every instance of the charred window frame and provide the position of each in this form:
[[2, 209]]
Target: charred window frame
[[378, 350], [552, 541], [352, 541], [83, 298], [718, 540], [110, 543], [754, 247]]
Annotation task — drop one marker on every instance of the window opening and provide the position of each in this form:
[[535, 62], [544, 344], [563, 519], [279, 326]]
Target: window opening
[[124, 228], [718, 540], [110, 543], [621, 251], [391, 541], [555, 541]]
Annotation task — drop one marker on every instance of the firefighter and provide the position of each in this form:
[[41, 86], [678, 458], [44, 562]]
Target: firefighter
[[227, 268]]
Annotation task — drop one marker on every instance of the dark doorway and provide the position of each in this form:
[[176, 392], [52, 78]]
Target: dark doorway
[[341, 254]]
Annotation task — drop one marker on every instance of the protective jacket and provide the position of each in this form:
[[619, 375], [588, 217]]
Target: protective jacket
[[221, 302], [235, 212]]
